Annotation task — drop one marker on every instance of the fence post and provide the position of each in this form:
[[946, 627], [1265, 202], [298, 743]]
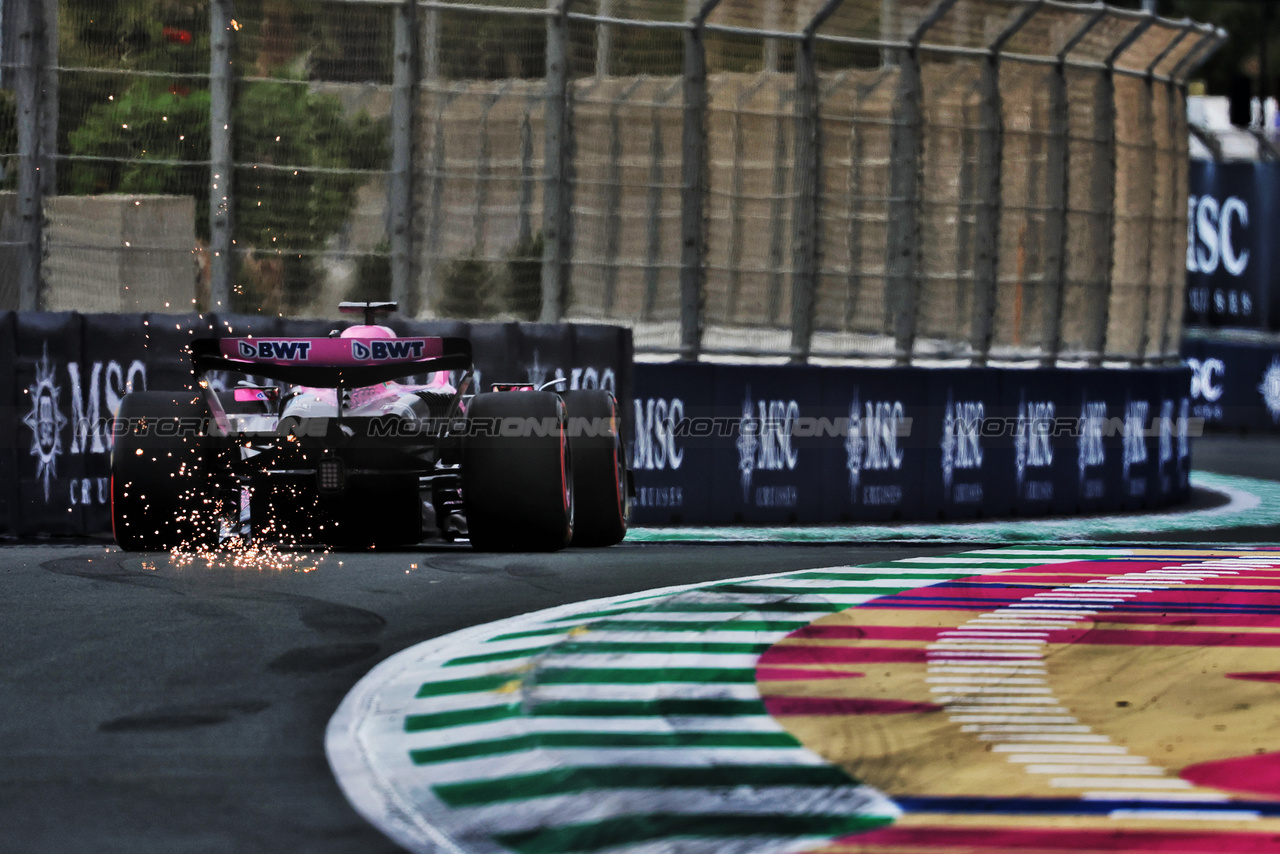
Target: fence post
[[1058, 186], [1103, 191], [735, 196], [856, 195], [400, 192], [1166, 217], [430, 45], [1171, 323], [613, 201], [30, 191], [555, 195], [1056, 178], [784, 164], [906, 152], [604, 39], [480, 221], [806, 220], [653, 208], [221, 168], [693, 184], [986, 258], [49, 101]]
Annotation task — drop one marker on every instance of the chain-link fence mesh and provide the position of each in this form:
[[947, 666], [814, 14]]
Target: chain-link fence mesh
[[910, 180]]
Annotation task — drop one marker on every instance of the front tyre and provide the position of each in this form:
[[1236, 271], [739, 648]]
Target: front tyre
[[599, 468], [517, 480], [163, 493]]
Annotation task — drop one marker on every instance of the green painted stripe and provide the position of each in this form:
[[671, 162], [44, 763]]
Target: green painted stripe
[[615, 740], [747, 607], [664, 707], [643, 675], [865, 590], [465, 686], [460, 717], [963, 568], [505, 655], [593, 836], [730, 607], [896, 576], [638, 647], [534, 633], [596, 615], [572, 781], [701, 626]]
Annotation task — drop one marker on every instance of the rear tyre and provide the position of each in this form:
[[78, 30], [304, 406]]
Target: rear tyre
[[599, 468], [164, 472], [517, 480]]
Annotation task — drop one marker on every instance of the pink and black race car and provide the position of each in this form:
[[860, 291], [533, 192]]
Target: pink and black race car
[[361, 439]]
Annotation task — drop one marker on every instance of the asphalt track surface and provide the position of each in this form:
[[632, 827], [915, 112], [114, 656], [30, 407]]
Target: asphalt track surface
[[151, 706]]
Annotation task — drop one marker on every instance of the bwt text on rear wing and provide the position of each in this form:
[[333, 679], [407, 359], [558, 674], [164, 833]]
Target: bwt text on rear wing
[[331, 362]]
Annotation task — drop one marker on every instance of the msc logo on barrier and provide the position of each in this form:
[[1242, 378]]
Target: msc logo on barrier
[[962, 448], [289, 351], [1210, 239], [588, 377], [1090, 451], [764, 444], [1033, 448], [1174, 429], [92, 409], [1135, 444], [1207, 385], [656, 448], [1206, 379], [1269, 388], [46, 421], [872, 445]]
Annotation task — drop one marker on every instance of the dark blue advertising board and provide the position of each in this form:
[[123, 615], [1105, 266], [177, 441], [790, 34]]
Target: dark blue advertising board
[[781, 445], [876, 467], [65, 374], [1234, 385], [1231, 213]]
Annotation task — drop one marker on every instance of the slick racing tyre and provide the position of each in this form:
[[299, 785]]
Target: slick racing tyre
[[164, 491], [599, 468], [517, 479]]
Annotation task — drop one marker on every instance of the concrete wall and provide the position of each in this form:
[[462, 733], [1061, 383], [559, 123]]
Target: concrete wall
[[120, 253]]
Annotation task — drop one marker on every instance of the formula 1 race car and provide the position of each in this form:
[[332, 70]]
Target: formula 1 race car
[[361, 439]]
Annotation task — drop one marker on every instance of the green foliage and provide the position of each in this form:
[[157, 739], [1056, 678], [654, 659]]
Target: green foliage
[[282, 130], [467, 289], [492, 47], [144, 125], [523, 286]]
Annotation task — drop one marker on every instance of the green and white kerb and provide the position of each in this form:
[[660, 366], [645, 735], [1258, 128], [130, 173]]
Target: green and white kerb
[[630, 725]]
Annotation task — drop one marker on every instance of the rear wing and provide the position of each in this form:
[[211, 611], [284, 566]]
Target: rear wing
[[330, 362]]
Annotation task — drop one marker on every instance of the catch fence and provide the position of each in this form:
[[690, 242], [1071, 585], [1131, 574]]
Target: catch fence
[[809, 179]]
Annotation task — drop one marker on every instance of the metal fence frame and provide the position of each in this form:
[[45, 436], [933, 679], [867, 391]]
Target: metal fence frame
[[417, 63]]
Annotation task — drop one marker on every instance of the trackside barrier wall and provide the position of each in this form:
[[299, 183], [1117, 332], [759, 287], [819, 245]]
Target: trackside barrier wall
[[717, 444], [63, 375]]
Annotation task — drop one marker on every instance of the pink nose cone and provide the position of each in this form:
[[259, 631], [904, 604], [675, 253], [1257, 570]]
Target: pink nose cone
[[363, 331]]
